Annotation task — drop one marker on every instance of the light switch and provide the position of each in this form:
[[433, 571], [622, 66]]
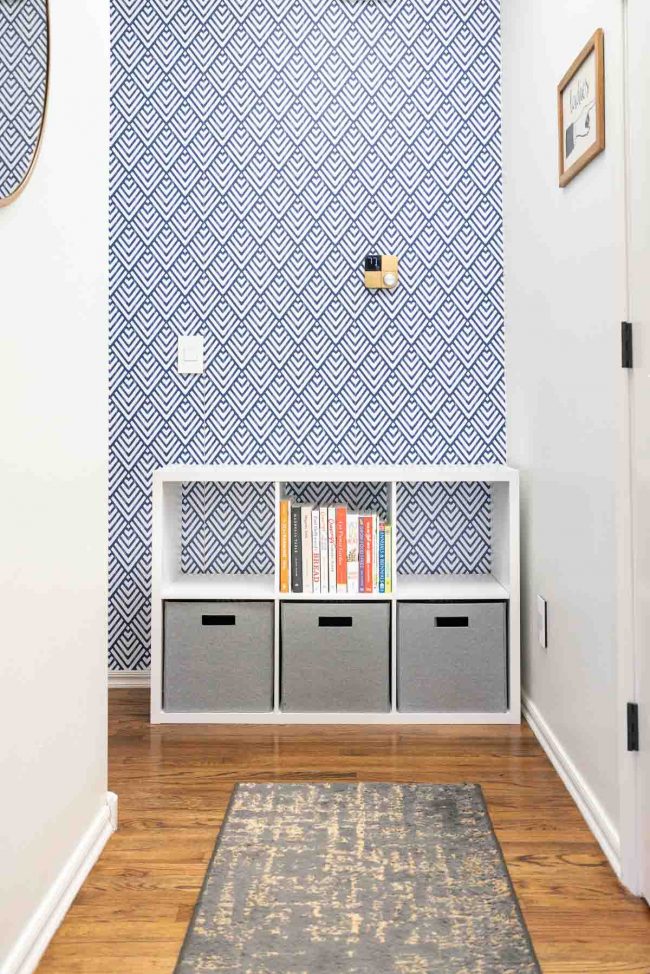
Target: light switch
[[190, 354]]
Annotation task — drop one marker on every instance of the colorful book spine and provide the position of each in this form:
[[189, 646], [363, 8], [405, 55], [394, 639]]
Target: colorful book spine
[[307, 583], [352, 535], [388, 534], [285, 514], [324, 557], [315, 549], [341, 550], [331, 548], [296, 550], [367, 555], [375, 553], [362, 553]]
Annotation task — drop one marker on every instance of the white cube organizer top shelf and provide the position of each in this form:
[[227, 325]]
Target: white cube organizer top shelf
[[336, 473], [170, 583]]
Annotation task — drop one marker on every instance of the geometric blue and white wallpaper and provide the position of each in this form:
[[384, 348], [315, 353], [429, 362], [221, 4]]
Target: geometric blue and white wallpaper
[[445, 527], [23, 73], [259, 148], [229, 528]]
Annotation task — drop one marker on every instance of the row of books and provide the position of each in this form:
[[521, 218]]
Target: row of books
[[330, 550]]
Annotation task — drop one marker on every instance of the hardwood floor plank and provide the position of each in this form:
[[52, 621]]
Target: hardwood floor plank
[[174, 783]]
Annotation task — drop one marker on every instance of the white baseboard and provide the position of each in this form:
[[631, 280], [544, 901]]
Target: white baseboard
[[126, 679], [112, 802], [31, 945], [590, 808]]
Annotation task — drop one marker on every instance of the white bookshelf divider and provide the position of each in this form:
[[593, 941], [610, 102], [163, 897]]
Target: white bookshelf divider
[[170, 583]]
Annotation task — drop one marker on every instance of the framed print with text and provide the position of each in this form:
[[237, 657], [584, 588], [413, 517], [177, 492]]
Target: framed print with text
[[581, 109]]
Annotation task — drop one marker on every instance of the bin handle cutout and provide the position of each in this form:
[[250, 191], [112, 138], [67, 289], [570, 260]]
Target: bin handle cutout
[[218, 620], [334, 621], [452, 622]]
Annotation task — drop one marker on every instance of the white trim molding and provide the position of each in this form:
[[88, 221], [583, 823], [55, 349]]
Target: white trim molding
[[128, 679], [31, 945], [589, 807], [112, 802]]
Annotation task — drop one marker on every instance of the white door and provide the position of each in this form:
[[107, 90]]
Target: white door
[[638, 216]]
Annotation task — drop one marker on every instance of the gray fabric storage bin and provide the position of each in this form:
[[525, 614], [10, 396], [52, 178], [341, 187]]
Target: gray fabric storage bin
[[335, 657], [452, 657], [218, 656]]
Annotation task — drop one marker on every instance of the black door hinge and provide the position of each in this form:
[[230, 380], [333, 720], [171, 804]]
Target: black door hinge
[[633, 727], [627, 358]]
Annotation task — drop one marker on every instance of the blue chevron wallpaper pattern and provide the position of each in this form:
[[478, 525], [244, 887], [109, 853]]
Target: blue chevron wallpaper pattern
[[259, 148], [23, 68], [230, 527]]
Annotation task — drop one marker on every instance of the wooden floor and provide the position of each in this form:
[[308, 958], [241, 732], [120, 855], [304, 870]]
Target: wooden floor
[[174, 782]]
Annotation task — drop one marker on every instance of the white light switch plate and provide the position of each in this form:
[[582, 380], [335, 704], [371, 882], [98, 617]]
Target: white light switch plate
[[541, 622], [190, 354]]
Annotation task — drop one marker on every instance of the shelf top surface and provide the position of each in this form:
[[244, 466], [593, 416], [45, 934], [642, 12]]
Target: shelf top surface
[[459, 588], [209, 587], [336, 473], [451, 587]]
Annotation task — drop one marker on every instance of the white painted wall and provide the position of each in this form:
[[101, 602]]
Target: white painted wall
[[53, 484], [565, 298]]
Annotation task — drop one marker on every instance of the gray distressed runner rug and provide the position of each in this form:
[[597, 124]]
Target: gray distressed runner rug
[[357, 879]]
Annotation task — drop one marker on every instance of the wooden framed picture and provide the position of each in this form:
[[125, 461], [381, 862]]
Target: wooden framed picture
[[581, 109]]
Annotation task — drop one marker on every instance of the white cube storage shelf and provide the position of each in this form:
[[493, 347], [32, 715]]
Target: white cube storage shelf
[[169, 583]]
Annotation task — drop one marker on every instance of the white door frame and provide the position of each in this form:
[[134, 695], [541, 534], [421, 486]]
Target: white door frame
[[632, 834]]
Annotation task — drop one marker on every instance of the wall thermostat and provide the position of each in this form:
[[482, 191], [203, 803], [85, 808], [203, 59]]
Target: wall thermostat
[[381, 271]]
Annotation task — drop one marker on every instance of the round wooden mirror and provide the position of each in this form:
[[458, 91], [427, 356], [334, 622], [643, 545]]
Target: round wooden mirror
[[24, 63]]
